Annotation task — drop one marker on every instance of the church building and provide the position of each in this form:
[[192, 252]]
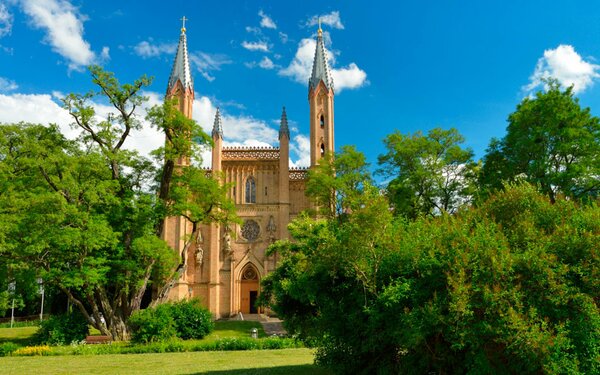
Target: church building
[[226, 263]]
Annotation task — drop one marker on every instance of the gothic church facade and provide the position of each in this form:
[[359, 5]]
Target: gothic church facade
[[226, 264]]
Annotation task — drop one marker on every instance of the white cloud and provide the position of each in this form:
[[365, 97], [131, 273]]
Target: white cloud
[[300, 146], [266, 21], [283, 37], [105, 54], [266, 63], [7, 84], [350, 77], [567, 66], [300, 68], [147, 49], [332, 19], [6, 21], [64, 29], [253, 30], [256, 46], [208, 62]]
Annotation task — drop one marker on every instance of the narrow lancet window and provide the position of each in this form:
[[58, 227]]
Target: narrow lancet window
[[250, 190], [322, 121], [322, 149]]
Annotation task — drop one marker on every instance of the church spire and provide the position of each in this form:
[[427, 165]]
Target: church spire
[[283, 127], [320, 69], [217, 131], [181, 66]]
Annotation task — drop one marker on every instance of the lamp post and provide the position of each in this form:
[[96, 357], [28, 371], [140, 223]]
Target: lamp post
[[11, 289], [41, 290]]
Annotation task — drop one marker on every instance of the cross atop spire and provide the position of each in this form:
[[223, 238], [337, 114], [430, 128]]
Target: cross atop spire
[[181, 66], [320, 31], [183, 19]]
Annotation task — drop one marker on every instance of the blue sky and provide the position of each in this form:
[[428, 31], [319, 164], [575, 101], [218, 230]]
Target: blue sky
[[397, 65]]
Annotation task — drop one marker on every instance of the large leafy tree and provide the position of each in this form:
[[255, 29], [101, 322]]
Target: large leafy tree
[[508, 287], [429, 174], [88, 214], [551, 142]]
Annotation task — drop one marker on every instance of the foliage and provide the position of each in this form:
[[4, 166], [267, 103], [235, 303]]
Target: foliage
[[62, 329], [185, 319], [32, 351], [6, 348], [509, 287], [551, 142], [87, 215], [334, 183], [192, 321], [430, 174], [152, 324]]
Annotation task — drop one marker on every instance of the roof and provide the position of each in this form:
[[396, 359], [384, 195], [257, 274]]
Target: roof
[[283, 127], [217, 126], [181, 67], [320, 70]]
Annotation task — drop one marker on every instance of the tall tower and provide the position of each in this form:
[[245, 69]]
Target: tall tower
[[320, 99], [180, 87]]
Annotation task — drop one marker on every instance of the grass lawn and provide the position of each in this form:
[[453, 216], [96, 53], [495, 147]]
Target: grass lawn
[[283, 361], [19, 335]]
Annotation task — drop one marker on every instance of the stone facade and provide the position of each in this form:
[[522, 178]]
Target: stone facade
[[225, 264]]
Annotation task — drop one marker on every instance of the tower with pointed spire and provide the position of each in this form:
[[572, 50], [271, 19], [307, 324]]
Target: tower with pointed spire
[[320, 99], [225, 263]]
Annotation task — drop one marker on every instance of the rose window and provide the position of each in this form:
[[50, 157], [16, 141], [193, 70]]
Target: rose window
[[250, 230]]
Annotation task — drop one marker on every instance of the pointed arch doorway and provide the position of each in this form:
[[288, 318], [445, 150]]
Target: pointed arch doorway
[[249, 290]]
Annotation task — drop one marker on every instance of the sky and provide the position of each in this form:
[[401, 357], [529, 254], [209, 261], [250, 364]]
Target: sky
[[402, 66]]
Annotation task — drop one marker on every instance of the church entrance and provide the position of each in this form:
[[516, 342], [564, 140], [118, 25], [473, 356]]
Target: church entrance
[[249, 290]]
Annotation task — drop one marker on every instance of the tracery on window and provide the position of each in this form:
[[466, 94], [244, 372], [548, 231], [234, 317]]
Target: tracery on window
[[250, 230], [249, 273], [250, 190]]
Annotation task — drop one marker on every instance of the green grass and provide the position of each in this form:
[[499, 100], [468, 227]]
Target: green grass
[[284, 361], [235, 328], [19, 335]]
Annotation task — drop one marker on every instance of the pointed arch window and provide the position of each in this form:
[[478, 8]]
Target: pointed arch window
[[322, 121], [322, 149], [250, 190]]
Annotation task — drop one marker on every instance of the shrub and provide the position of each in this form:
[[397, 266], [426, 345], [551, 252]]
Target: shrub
[[6, 348], [192, 321], [152, 324], [32, 350], [62, 329]]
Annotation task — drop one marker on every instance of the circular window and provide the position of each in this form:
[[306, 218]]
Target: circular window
[[250, 230]]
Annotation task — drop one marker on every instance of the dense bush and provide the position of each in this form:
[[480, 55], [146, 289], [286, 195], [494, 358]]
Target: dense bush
[[509, 287], [152, 324], [62, 329], [6, 348], [183, 319], [192, 321]]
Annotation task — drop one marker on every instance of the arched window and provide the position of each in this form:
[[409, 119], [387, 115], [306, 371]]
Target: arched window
[[250, 190], [322, 149], [322, 121]]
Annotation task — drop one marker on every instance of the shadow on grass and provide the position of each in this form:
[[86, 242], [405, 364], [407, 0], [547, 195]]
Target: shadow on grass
[[280, 370]]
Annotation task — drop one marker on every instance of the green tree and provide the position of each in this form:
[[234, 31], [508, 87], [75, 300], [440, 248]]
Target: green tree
[[551, 142], [429, 174], [334, 183], [508, 287], [87, 214]]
